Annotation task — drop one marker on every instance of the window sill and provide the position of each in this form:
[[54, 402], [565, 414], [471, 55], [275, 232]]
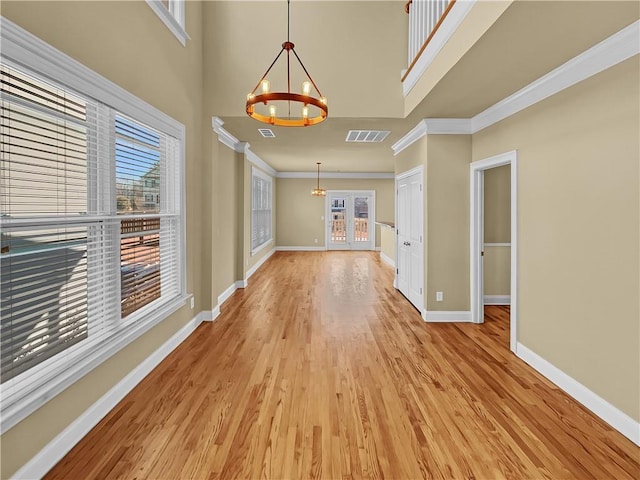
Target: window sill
[[51, 382], [261, 247], [170, 21]]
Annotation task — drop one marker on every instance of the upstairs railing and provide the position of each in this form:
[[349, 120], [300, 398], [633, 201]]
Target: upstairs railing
[[425, 16]]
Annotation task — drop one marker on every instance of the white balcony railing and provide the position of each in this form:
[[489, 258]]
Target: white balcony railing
[[425, 16]]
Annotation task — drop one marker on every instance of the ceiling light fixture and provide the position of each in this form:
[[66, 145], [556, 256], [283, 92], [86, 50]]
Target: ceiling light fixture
[[311, 110], [318, 192]]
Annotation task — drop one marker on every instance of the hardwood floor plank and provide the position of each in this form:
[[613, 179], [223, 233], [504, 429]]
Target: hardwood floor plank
[[321, 369]]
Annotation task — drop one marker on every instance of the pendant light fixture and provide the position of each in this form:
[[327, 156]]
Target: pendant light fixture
[[318, 192], [287, 109]]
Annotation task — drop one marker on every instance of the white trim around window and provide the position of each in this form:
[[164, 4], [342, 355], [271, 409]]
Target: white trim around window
[[173, 16], [261, 210], [22, 51]]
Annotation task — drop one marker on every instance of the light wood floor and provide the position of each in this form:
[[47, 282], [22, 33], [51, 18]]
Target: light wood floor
[[320, 369]]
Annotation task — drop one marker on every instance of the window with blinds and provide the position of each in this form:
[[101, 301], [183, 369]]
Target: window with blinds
[[260, 209], [90, 225]]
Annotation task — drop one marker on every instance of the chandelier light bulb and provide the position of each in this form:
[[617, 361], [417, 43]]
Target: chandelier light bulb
[[264, 96]]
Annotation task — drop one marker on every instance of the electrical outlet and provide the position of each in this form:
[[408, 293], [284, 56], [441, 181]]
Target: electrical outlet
[[439, 296], [315, 240], [322, 217], [193, 302]]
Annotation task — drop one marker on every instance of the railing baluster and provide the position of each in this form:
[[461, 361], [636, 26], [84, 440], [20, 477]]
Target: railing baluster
[[424, 16]]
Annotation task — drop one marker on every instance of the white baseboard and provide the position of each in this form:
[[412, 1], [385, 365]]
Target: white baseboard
[[301, 249], [378, 249], [497, 299], [57, 448], [619, 420], [447, 316], [388, 260], [258, 264], [224, 296]]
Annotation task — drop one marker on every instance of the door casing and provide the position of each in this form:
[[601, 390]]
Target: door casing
[[476, 195]]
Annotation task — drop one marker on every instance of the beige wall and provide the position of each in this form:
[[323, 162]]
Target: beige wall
[[299, 215], [128, 44], [497, 270], [497, 229], [447, 232], [388, 242], [497, 205], [578, 230], [227, 231]]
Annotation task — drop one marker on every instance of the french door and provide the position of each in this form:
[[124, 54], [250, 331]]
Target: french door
[[350, 219]]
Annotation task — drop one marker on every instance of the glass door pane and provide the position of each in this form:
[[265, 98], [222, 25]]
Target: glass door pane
[[361, 219], [338, 220]]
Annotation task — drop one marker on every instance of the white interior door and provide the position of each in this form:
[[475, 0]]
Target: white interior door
[[350, 220], [410, 250]]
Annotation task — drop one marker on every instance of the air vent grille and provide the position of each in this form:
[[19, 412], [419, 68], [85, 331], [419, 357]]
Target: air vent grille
[[267, 133], [367, 136]]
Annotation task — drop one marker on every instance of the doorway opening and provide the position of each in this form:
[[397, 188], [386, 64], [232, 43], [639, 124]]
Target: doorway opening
[[350, 218], [478, 246]]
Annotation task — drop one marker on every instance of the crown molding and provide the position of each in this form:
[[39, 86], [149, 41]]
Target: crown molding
[[613, 50], [415, 134], [257, 161], [241, 147], [223, 135], [364, 175], [448, 126]]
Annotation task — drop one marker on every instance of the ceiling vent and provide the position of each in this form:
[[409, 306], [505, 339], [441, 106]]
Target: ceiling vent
[[267, 133], [367, 136]]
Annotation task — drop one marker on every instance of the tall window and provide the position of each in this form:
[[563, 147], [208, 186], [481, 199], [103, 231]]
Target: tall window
[[261, 201], [90, 205]]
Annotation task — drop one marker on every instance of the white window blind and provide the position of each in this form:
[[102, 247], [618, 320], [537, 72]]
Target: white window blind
[[90, 205], [261, 190]]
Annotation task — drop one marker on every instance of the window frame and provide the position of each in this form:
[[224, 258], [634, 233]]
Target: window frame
[[173, 17], [23, 50], [257, 173]]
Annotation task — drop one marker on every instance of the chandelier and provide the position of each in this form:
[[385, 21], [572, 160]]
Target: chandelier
[[318, 192], [275, 108]]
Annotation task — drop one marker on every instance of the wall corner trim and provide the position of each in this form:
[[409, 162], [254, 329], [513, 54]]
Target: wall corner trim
[[57, 448], [447, 316], [619, 420]]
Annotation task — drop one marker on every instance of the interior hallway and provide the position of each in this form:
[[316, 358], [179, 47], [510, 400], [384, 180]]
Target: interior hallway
[[321, 369]]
